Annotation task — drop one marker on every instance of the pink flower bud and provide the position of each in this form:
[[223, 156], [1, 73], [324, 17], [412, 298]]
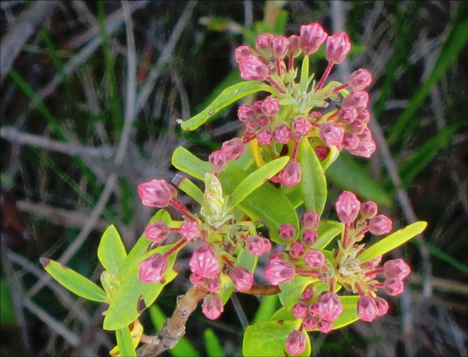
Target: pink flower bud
[[309, 323], [233, 149], [369, 209], [347, 114], [302, 126], [357, 98], [364, 115], [291, 174], [294, 46], [367, 308], [243, 52], [156, 193], [245, 112], [287, 231], [296, 250], [296, 342], [380, 225], [350, 141], [264, 137], [313, 114], [204, 262], [153, 268], [365, 149], [325, 326], [347, 207], [331, 134], [190, 230], [396, 268], [251, 127], [360, 79], [330, 306], [307, 294], [279, 47], [270, 106], [251, 68], [196, 279], [322, 152], [258, 246], [311, 38], [299, 310], [213, 285], [315, 259], [357, 126], [310, 220], [263, 121], [366, 134], [310, 236], [382, 306], [212, 306], [394, 286], [279, 255], [371, 264], [218, 161], [157, 231], [264, 42], [279, 272], [314, 309], [257, 106], [282, 134], [242, 278], [338, 47]]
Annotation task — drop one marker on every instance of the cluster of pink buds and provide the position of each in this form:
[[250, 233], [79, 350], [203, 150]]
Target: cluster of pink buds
[[230, 150]]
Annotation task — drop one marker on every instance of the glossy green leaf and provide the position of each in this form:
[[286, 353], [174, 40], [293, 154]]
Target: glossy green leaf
[[256, 179], [293, 194], [269, 338], [313, 183], [73, 281], [349, 314], [227, 96], [126, 305], [304, 81], [326, 231], [212, 343], [187, 186], [292, 290], [266, 309], [124, 341], [283, 314], [331, 158], [111, 250], [392, 241], [187, 162]]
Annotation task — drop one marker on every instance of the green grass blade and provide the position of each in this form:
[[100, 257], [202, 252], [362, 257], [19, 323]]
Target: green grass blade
[[212, 344]]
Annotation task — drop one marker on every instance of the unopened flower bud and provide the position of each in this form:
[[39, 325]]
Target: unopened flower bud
[[330, 306], [396, 268], [369, 209], [296, 250], [296, 342], [263, 121], [311, 38], [279, 47], [365, 149], [245, 112], [315, 259], [364, 115], [264, 42], [279, 272], [371, 264], [204, 262], [310, 322], [252, 68], [309, 237], [291, 174], [360, 79], [367, 308], [196, 279], [310, 220], [394, 286], [287, 231], [366, 135], [258, 246], [302, 126], [242, 52], [322, 152], [233, 149], [307, 294], [251, 126], [264, 137], [350, 141], [212, 306], [190, 230], [314, 309], [294, 46], [270, 106], [357, 126], [382, 306], [213, 285], [380, 225], [347, 114], [156, 193], [282, 134], [325, 326], [338, 47], [242, 278], [347, 207], [357, 98], [153, 268], [157, 231], [218, 161], [299, 310], [331, 134], [279, 255]]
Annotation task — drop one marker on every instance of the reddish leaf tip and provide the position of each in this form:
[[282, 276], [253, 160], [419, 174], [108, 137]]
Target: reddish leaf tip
[[44, 262]]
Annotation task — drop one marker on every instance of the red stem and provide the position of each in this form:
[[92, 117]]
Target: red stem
[[275, 84], [182, 209], [343, 86], [307, 272], [325, 75], [175, 248], [291, 62], [278, 66]]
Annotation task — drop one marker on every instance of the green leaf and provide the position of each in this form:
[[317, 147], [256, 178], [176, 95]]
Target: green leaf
[[7, 311], [256, 179], [349, 314], [304, 74], [111, 250], [187, 186], [313, 183], [331, 158], [269, 339], [326, 231], [393, 241], [227, 96], [292, 290], [187, 162], [212, 344], [73, 281], [124, 341], [266, 309], [283, 314], [126, 305]]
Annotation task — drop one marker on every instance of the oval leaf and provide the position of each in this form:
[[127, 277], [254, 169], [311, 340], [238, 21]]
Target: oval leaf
[[124, 341], [74, 281], [349, 314], [326, 232], [313, 183], [111, 250], [292, 290], [227, 96], [187, 186], [393, 241]]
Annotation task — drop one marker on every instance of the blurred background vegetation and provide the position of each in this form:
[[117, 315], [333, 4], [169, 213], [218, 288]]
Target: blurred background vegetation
[[90, 92]]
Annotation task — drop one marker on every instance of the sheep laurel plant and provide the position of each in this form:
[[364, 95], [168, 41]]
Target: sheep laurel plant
[[275, 169]]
